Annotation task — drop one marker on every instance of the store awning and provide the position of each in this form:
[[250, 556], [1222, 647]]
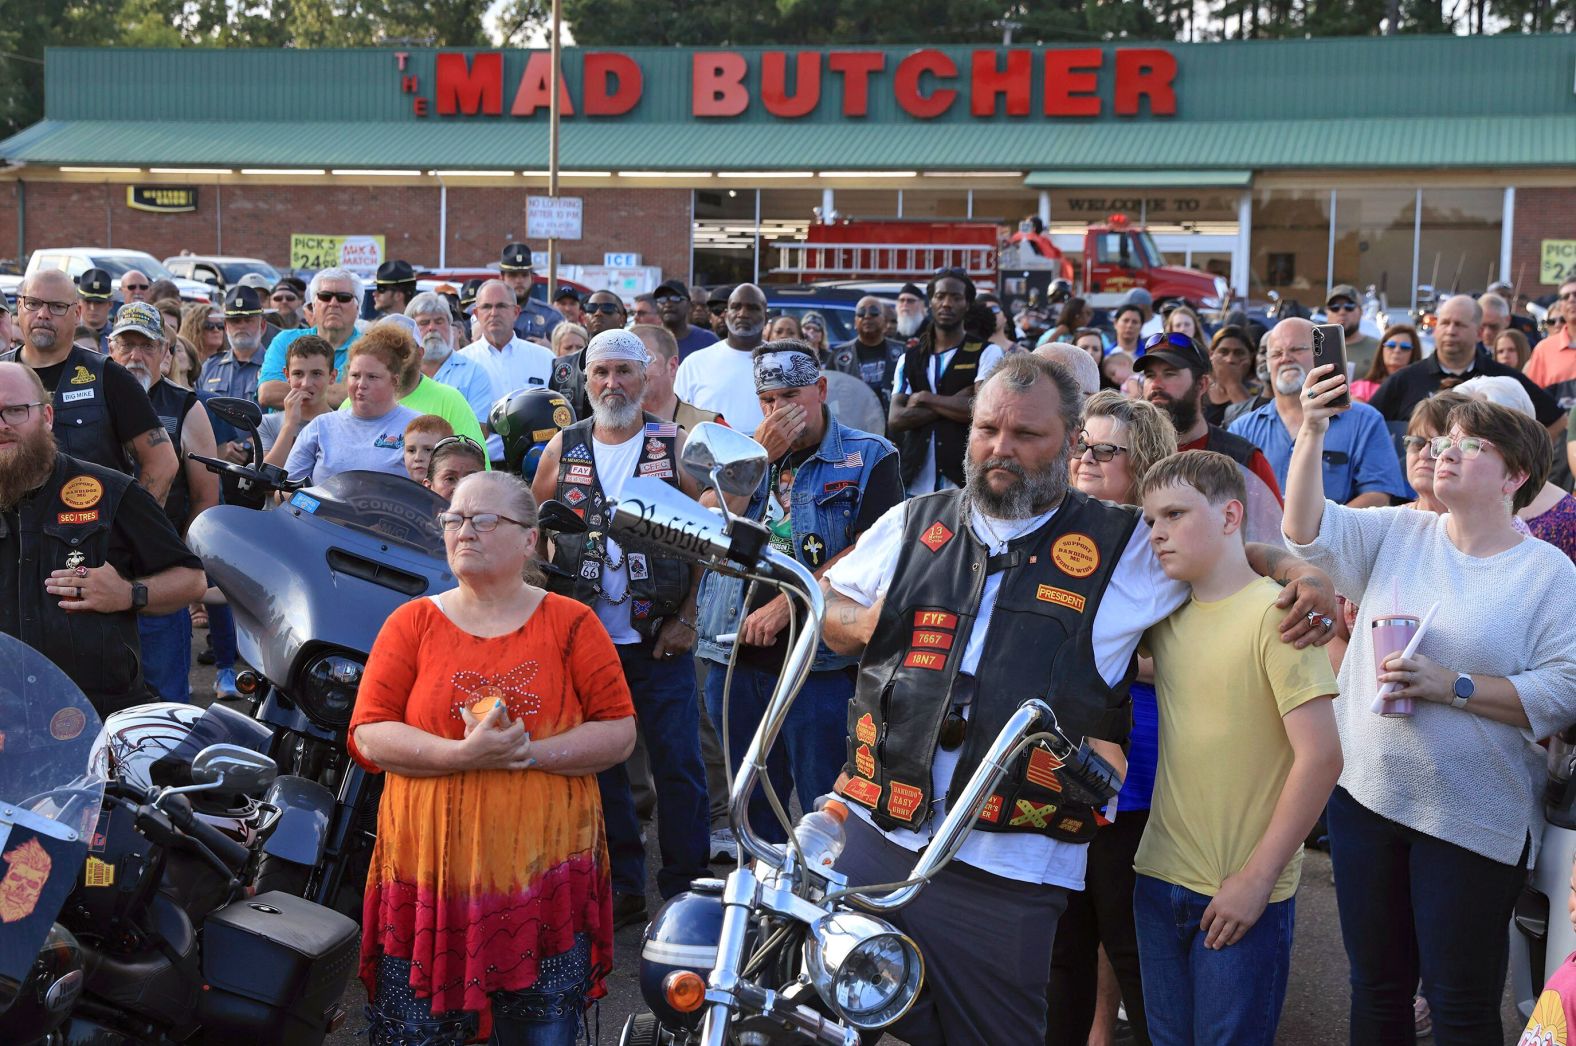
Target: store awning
[[1152, 178]]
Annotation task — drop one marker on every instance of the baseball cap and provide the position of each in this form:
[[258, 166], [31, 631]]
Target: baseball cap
[[394, 272], [242, 300], [720, 294], [255, 280], [1343, 290], [96, 284], [566, 291], [516, 257], [674, 286], [1179, 350], [141, 318], [291, 283]]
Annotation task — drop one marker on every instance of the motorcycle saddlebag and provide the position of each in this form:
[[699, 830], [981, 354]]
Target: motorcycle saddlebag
[[276, 966]]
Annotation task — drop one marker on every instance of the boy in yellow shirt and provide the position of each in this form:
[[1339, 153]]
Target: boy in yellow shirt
[[1248, 755]]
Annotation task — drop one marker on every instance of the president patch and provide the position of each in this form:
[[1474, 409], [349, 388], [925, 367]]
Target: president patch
[[1061, 597]]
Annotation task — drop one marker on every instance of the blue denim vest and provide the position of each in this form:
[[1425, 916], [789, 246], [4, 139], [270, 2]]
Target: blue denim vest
[[825, 506]]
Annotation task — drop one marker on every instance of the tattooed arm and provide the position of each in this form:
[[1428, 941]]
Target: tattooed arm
[[849, 625], [1308, 591], [157, 462]]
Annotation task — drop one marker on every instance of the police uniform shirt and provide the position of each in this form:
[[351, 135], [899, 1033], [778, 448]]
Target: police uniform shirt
[[536, 320], [142, 542], [1138, 595], [130, 412], [228, 375]]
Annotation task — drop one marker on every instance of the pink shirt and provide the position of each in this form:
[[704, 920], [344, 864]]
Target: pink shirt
[[1555, 1010]]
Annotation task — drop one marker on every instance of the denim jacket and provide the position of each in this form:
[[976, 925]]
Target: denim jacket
[[825, 507]]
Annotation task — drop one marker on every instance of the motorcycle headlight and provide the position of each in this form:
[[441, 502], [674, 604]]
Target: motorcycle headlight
[[867, 971], [328, 689]]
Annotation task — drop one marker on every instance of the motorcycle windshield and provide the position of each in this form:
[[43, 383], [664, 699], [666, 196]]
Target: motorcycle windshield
[[51, 787], [390, 508]]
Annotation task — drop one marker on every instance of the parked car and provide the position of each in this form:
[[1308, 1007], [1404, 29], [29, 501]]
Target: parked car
[[220, 270], [74, 261], [834, 303]]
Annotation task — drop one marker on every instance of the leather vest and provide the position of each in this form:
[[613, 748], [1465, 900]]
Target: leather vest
[[82, 423], [66, 523], [1230, 444], [1040, 643], [657, 584], [569, 380], [952, 437], [170, 403]]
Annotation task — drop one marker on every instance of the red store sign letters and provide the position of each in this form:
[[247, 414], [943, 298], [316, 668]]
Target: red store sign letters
[[925, 84]]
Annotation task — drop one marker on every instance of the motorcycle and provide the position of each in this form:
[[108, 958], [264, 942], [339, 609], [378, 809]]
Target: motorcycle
[[785, 950], [127, 912], [1540, 927], [311, 582]]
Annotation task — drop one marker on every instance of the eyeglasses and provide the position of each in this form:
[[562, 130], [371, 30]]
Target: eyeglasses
[[1418, 444], [1471, 446], [1172, 340], [56, 308], [1339, 307], [956, 726], [606, 308], [18, 413], [343, 297], [1393, 344], [1101, 451], [484, 522], [862, 313]]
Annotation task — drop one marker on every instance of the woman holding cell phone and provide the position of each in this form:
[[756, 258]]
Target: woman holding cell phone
[[1436, 814]]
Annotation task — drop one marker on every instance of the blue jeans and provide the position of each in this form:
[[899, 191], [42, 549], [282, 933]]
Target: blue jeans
[[221, 635], [669, 714], [548, 1013], [167, 654], [809, 753], [1195, 995], [1414, 906]]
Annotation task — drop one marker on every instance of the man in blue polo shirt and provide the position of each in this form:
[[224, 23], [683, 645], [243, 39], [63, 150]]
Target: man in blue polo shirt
[[334, 297], [1361, 468]]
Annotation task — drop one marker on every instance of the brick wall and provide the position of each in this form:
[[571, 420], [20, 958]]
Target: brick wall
[[257, 220], [1541, 214]]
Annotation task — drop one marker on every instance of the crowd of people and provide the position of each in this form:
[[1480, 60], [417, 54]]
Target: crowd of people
[[1182, 535]]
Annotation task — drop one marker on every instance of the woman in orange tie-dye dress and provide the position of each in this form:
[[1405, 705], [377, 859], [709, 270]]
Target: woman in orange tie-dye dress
[[491, 708]]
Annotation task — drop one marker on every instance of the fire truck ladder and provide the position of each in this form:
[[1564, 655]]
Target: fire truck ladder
[[807, 262]]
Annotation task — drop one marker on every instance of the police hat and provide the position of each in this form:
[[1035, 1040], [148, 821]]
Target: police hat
[[395, 272], [516, 258], [96, 284], [468, 291], [242, 301]]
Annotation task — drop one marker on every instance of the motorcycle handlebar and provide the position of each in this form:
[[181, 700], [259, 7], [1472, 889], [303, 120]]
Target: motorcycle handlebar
[[179, 810], [255, 475]]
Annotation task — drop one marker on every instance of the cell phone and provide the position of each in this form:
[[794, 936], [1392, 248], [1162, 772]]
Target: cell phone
[[1329, 346]]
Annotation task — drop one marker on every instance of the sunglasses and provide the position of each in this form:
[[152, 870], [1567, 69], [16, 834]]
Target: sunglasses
[[210, 325], [484, 522], [282, 296], [1393, 344], [956, 726], [606, 308], [717, 310], [862, 313], [669, 299], [1101, 451], [1337, 307], [1170, 340], [343, 297], [137, 286]]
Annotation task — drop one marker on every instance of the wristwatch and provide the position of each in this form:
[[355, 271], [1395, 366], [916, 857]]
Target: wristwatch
[[139, 595], [1464, 688]]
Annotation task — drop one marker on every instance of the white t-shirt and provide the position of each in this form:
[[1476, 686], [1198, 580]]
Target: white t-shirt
[[1138, 595], [930, 479], [338, 441], [615, 462], [517, 365], [721, 379]]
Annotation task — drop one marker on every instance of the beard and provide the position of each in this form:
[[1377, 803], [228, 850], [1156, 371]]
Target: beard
[[435, 348], [1183, 412], [140, 371], [24, 469], [613, 411], [908, 324], [1288, 380], [746, 328], [1033, 493], [246, 342]]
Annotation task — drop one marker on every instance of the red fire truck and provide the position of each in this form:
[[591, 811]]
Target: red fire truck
[[1116, 257]]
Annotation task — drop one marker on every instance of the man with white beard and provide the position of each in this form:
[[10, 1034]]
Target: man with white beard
[[910, 312], [1360, 464], [137, 343], [647, 604], [436, 334]]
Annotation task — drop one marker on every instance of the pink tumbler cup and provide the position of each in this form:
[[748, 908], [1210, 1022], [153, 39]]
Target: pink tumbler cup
[[1392, 632]]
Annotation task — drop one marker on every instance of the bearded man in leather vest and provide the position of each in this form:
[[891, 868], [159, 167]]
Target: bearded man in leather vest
[[83, 551], [647, 604], [1058, 588]]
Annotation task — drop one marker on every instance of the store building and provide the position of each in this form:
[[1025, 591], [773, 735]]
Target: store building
[[1286, 165]]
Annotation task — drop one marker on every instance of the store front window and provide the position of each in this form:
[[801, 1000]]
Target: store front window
[[1291, 243], [1373, 242], [1461, 239]]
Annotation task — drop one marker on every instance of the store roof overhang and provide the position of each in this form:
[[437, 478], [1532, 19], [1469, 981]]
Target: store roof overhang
[[1152, 178], [1148, 149]]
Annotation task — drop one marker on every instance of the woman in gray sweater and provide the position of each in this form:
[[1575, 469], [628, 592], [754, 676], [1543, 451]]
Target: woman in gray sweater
[[1437, 816]]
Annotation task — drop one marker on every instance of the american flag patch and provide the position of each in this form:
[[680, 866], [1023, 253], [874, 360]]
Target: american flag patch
[[854, 460], [665, 428]]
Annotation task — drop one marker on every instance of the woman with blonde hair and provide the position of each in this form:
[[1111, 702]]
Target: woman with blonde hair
[[381, 366], [202, 324]]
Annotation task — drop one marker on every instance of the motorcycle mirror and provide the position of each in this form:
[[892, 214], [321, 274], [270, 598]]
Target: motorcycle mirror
[[239, 770], [559, 518], [716, 455], [243, 414]]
